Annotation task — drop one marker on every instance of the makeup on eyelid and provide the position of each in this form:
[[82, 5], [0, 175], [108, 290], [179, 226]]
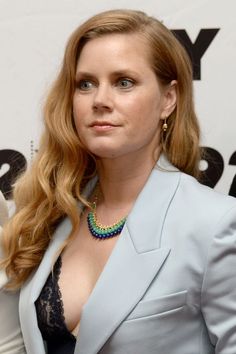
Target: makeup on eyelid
[[118, 104]]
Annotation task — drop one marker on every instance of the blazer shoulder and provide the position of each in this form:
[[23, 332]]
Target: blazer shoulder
[[203, 202], [3, 277]]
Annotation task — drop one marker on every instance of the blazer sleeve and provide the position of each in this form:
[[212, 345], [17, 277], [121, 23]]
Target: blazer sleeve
[[219, 286], [11, 341]]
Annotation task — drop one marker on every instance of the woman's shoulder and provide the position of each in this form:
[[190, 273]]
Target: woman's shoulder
[[194, 191], [10, 334], [204, 213], [11, 340], [3, 277], [205, 197]]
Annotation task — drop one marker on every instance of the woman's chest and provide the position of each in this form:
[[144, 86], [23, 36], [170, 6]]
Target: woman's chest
[[82, 264]]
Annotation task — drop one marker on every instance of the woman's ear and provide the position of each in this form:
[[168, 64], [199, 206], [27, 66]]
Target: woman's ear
[[169, 99]]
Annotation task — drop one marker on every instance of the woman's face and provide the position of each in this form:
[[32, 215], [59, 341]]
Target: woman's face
[[118, 102]]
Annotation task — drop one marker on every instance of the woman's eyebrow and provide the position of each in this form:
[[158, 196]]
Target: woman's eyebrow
[[124, 72], [83, 74], [116, 73]]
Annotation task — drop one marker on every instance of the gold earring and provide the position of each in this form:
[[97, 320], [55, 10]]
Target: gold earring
[[165, 126]]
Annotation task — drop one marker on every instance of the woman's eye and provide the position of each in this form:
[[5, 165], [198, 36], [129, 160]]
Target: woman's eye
[[125, 83], [85, 85]]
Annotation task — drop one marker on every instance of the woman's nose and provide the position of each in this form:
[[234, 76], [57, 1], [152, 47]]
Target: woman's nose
[[103, 99]]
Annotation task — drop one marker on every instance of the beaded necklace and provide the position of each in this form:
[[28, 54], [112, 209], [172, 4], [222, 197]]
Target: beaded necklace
[[103, 232]]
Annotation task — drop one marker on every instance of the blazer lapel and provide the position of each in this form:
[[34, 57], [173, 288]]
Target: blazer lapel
[[32, 288], [135, 261]]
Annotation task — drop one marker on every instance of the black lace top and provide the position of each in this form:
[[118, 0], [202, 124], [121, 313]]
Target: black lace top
[[50, 314]]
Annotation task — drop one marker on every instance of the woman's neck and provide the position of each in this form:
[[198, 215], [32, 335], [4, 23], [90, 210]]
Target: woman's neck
[[122, 179]]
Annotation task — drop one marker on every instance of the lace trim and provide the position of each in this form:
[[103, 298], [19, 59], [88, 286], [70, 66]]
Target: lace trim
[[50, 309]]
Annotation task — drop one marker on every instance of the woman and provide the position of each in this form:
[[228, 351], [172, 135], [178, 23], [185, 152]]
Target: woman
[[11, 341], [121, 148]]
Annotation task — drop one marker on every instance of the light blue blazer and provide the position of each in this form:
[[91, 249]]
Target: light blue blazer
[[11, 341], [169, 286]]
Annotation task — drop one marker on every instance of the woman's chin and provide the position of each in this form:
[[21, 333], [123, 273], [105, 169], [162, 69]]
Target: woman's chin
[[107, 152]]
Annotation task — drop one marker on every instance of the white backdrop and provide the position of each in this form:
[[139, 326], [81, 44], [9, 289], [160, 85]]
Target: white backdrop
[[33, 36]]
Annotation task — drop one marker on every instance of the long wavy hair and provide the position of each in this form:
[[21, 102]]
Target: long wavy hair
[[50, 189]]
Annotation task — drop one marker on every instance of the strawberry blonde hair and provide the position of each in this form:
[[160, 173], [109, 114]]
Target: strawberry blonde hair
[[50, 189]]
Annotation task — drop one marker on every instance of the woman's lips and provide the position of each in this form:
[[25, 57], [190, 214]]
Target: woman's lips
[[103, 126]]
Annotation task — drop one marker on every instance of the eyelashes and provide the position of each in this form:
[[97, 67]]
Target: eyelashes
[[84, 85], [123, 83]]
